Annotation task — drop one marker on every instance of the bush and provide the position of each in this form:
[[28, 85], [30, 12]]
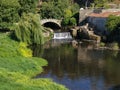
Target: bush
[[114, 46], [69, 22], [65, 22], [67, 13], [72, 22], [25, 51], [102, 44]]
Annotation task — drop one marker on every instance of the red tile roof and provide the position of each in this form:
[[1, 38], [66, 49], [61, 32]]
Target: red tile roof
[[104, 14]]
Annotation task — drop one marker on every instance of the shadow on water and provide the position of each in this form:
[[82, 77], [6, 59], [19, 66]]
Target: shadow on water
[[81, 67], [117, 87]]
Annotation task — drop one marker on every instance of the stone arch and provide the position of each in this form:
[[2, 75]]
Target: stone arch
[[52, 21]]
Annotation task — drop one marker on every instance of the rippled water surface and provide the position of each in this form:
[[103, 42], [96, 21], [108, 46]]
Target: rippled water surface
[[80, 67]]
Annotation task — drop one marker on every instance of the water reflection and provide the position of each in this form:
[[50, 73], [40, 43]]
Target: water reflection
[[81, 68]]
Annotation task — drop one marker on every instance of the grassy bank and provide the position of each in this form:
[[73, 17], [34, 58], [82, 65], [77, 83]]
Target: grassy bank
[[17, 68]]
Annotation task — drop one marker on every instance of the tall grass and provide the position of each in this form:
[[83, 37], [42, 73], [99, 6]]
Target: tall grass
[[16, 71]]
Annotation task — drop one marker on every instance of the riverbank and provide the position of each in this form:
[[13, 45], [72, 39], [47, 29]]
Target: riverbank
[[17, 68]]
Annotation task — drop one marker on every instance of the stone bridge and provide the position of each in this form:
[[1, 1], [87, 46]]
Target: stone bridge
[[54, 21]]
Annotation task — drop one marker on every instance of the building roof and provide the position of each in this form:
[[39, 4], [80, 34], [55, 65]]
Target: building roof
[[104, 14]]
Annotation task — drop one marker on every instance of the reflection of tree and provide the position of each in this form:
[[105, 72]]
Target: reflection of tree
[[64, 60], [97, 63], [38, 50], [112, 72]]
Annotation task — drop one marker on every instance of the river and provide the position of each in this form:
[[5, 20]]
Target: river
[[80, 67]]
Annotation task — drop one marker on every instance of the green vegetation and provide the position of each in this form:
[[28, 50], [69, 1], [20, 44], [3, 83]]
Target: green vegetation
[[11, 11], [29, 30], [17, 66], [56, 9], [8, 13], [68, 19], [69, 22], [100, 3], [115, 46], [16, 70], [113, 26], [113, 22], [27, 6], [59, 9], [102, 44], [21, 17], [50, 10], [65, 22], [72, 21]]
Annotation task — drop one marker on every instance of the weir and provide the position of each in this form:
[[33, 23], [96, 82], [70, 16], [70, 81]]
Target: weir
[[62, 35]]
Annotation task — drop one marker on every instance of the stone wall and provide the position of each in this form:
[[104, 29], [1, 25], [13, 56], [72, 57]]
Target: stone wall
[[83, 13], [85, 32]]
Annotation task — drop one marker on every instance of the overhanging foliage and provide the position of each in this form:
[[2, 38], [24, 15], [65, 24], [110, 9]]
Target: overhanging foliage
[[29, 29]]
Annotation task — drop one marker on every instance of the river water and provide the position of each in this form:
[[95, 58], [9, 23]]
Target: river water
[[80, 67]]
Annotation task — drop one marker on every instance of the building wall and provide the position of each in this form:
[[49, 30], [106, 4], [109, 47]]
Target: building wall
[[98, 23], [83, 14], [98, 19]]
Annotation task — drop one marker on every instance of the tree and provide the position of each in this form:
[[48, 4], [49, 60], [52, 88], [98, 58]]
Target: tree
[[27, 6], [72, 21], [84, 3], [65, 22], [12, 10], [112, 22], [20, 16], [100, 3], [113, 26], [75, 8], [67, 13], [69, 21], [8, 13], [28, 29], [57, 8], [49, 10]]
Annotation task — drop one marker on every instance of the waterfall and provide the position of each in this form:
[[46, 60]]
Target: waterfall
[[62, 35]]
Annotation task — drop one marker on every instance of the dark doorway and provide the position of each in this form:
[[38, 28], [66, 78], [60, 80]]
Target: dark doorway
[[52, 25]]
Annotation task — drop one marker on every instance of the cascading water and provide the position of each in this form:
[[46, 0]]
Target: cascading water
[[62, 35]]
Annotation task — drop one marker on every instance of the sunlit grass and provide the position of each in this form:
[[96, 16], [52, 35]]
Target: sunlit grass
[[16, 70]]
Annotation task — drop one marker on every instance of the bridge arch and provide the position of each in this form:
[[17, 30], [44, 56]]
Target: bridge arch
[[51, 22]]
